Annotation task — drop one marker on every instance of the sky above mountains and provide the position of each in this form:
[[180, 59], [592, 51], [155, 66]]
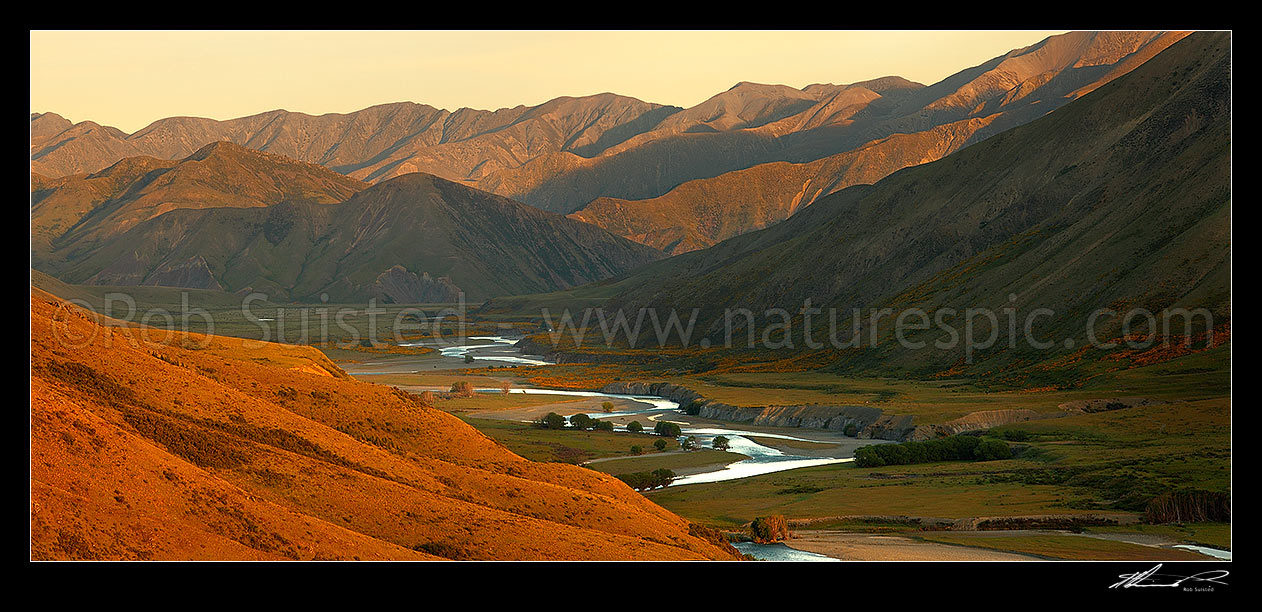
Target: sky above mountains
[[128, 79]]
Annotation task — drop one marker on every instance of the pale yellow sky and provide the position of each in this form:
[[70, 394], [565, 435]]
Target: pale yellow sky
[[128, 79]]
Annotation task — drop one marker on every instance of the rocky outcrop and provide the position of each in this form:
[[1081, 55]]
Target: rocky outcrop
[[865, 421], [400, 286]]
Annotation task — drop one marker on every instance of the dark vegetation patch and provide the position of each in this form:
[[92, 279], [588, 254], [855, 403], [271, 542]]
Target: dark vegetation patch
[[1189, 506], [953, 448]]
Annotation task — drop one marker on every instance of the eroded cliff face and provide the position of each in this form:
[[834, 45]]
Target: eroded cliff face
[[866, 422]]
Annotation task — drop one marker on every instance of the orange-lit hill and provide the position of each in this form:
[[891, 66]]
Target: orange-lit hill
[[208, 447]]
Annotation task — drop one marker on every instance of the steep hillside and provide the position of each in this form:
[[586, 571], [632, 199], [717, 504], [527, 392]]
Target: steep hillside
[[922, 125], [216, 448], [84, 210], [416, 238], [700, 213], [1120, 199]]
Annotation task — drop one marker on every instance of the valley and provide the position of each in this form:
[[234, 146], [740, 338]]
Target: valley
[[986, 318]]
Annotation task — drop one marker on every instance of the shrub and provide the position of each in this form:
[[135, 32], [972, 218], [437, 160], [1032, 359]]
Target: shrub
[[636, 449], [768, 529], [992, 450], [606, 406], [851, 430], [468, 358], [1014, 435], [659, 445], [462, 388]]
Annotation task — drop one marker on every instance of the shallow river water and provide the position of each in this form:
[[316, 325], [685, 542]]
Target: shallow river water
[[762, 459]]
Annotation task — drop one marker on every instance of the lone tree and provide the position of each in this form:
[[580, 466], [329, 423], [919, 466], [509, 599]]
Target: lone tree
[[636, 449], [768, 529], [688, 443], [505, 387], [659, 445], [462, 388], [720, 443], [606, 406], [468, 358], [635, 427]]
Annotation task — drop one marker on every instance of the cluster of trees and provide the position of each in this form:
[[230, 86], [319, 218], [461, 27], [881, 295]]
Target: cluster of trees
[[641, 481], [1189, 506], [670, 430], [579, 421], [952, 448]]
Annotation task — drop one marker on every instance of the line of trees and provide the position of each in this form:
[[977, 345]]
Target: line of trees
[[580, 422], [952, 448], [641, 481]]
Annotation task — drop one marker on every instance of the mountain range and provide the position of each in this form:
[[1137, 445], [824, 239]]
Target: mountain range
[[660, 175], [1119, 199], [233, 219]]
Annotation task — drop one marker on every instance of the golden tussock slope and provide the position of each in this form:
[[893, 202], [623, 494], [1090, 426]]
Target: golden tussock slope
[[147, 445]]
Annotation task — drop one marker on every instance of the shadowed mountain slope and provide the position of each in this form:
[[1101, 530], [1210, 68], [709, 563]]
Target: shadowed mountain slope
[[84, 210], [1120, 199], [277, 226], [924, 125]]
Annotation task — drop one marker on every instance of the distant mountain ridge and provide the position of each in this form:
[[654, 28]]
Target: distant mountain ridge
[[926, 124], [601, 155], [229, 218], [1119, 199]]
